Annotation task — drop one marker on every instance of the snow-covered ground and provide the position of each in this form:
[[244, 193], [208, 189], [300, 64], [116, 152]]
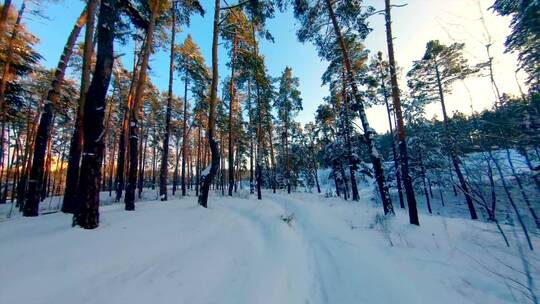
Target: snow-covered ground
[[300, 248]]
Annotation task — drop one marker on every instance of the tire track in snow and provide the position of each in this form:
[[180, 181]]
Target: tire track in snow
[[288, 259], [327, 274]]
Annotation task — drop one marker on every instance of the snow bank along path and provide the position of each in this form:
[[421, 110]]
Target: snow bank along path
[[241, 251]]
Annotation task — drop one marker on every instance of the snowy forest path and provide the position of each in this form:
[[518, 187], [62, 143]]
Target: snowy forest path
[[347, 272], [299, 249]]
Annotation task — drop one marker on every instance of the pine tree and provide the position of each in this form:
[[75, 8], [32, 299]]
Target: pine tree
[[320, 18], [191, 66], [432, 77], [402, 142], [288, 103], [156, 7], [525, 36], [236, 32]]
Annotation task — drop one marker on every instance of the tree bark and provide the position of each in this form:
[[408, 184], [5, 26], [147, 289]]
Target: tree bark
[[75, 149], [259, 134], [231, 115], [451, 149], [214, 147], [164, 171], [402, 142], [111, 165], [346, 129], [272, 157], [35, 184], [184, 136], [135, 115], [87, 214], [143, 141], [394, 152], [423, 172]]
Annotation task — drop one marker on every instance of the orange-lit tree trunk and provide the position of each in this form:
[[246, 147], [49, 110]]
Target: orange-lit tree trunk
[[135, 115], [87, 214], [75, 149]]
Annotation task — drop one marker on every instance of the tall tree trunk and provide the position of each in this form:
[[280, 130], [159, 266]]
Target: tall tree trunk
[[111, 165], [87, 214], [287, 161], [402, 142], [106, 139], [23, 178], [214, 148], [250, 132], [272, 157], [48, 160], [184, 136], [345, 182], [336, 182], [368, 131], [198, 162], [231, 115], [176, 162], [164, 171], [124, 134], [423, 172], [35, 185], [222, 171], [135, 115], [2, 148], [259, 134], [143, 141], [394, 152], [9, 168], [76, 145], [451, 149], [154, 161], [347, 131], [15, 184]]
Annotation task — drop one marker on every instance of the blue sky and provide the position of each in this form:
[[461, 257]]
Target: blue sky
[[414, 25]]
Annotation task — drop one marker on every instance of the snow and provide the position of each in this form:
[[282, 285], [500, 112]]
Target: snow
[[299, 248]]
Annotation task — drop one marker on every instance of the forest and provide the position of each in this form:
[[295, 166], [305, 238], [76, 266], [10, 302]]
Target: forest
[[94, 142]]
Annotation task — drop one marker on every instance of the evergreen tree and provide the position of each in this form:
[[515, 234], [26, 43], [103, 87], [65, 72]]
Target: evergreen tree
[[191, 66], [429, 80], [525, 36], [288, 103], [318, 19]]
